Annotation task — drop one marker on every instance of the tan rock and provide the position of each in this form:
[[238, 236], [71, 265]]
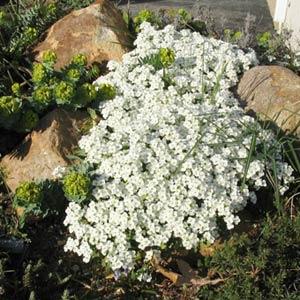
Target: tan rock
[[97, 31], [44, 149], [273, 93]]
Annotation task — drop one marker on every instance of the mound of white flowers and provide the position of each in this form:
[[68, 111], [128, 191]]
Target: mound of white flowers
[[171, 159]]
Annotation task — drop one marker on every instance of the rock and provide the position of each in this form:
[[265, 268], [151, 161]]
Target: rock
[[44, 149], [98, 31], [273, 93]]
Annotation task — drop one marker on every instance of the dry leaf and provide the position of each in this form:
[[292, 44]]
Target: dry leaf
[[174, 277], [189, 276]]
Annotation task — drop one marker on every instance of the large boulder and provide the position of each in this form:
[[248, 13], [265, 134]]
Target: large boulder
[[98, 31], [273, 93], [44, 149]]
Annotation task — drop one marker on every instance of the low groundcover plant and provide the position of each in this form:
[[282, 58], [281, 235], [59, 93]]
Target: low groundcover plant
[[171, 158]]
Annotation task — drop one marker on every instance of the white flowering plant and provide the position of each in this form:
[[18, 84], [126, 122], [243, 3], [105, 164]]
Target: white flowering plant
[[171, 158]]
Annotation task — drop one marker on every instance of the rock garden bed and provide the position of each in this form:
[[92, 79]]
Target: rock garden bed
[[146, 157]]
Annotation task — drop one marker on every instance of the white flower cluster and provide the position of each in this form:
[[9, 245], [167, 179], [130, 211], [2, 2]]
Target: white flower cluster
[[171, 160], [59, 172]]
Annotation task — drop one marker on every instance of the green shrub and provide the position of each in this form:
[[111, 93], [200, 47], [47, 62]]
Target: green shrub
[[10, 108], [107, 91], [28, 199], [270, 47], [167, 57], [28, 192], [21, 28], [181, 18], [68, 87], [77, 186], [276, 48], [265, 266], [144, 15]]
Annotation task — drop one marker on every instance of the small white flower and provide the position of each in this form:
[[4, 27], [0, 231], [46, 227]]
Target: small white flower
[[169, 160], [59, 172]]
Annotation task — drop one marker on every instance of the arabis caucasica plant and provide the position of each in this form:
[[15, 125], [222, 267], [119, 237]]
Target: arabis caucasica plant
[[171, 158]]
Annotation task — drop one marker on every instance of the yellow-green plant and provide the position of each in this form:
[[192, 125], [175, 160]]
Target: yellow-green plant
[[144, 15], [39, 73], [79, 60], [49, 57], [28, 197], [64, 92], [10, 108], [106, 91], [167, 57], [76, 186], [69, 87], [42, 95], [29, 192]]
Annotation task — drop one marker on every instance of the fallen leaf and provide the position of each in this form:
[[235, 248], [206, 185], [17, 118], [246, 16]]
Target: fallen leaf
[[188, 276]]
